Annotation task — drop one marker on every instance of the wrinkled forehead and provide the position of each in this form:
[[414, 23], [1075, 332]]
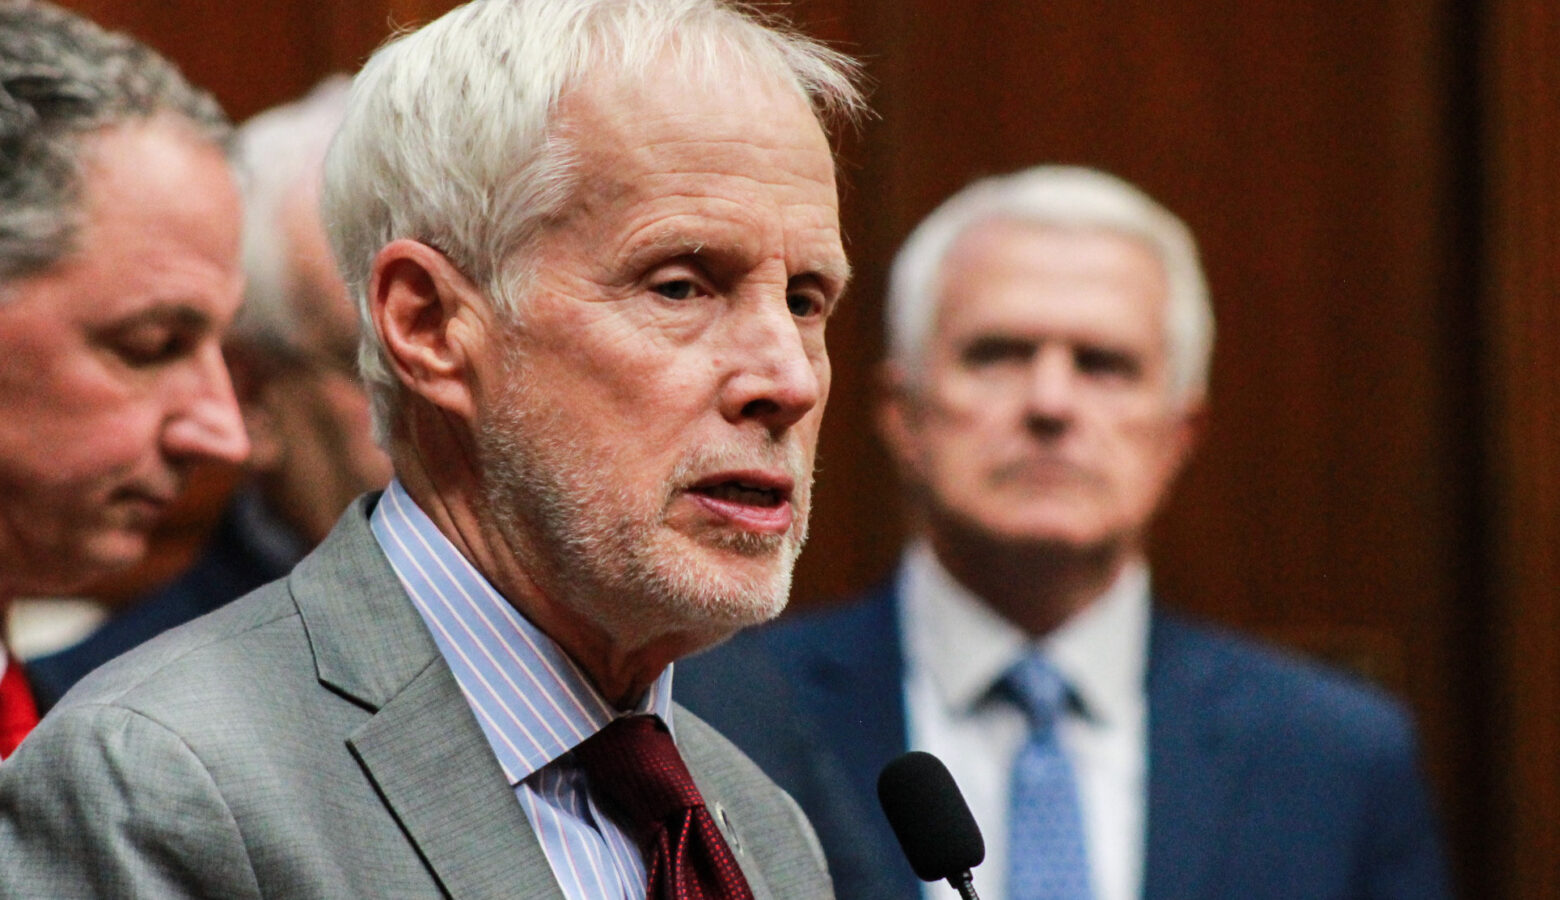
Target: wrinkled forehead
[[688, 135]]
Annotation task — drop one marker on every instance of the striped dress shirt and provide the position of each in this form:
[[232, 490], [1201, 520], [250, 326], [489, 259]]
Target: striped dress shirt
[[532, 701]]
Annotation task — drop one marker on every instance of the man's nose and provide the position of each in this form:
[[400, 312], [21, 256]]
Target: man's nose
[[205, 423], [1051, 391], [772, 378]]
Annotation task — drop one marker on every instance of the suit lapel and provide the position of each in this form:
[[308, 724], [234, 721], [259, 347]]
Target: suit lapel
[[433, 766], [422, 748], [1195, 764], [710, 773]]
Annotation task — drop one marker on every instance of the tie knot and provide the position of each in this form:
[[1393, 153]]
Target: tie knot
[[635, 764], [1034, 684]]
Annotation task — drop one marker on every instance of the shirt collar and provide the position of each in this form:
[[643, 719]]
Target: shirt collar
[[965, 646], [534, 703]]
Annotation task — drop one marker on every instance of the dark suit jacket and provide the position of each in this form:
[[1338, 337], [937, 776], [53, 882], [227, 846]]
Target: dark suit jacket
[[308, 740], [247, 549], [1267, 777]]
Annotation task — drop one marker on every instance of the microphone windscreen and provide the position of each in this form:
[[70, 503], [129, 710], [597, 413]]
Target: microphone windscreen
[[929, 816]]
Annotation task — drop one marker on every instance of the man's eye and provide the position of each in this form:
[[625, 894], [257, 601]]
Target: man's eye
[[1101, 361], [681, 289], [150, 346], [803, 306], [990, 351]]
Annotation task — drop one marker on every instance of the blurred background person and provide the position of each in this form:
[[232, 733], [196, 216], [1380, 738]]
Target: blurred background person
[[1049, 338], [292, 351], [119, 273]]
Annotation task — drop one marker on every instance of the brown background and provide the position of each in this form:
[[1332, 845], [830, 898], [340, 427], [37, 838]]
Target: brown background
[[1377, 191]]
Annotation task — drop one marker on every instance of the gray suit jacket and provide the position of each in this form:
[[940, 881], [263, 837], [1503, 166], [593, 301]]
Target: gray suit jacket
[[308, 740]]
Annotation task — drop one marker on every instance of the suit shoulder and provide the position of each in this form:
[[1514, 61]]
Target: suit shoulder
[[72, 824], [195, 658], [1280, 687], [865, 619]]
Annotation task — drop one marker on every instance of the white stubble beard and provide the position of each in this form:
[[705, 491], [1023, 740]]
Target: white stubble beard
[[610, 556]]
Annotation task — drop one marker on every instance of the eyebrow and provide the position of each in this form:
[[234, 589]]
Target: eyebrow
[[165, 312], [838, 270], [670, 241]]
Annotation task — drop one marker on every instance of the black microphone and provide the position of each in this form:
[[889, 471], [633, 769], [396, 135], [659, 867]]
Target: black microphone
[[931, 820]]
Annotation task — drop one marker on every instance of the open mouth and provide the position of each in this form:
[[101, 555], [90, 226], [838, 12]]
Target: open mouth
[[742, 492], [756, 502]]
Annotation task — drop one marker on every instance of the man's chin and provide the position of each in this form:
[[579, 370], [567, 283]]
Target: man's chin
[[749, 593], [700, 605], [730, 588], [112, 550], [1053, 530]]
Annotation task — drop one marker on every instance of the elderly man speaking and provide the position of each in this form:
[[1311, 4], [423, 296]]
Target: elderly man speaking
[[595, 244]]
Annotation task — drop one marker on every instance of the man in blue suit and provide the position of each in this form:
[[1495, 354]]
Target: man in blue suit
[[1049, 337]]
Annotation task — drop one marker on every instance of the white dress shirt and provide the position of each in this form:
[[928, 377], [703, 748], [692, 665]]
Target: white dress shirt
[[957, 648]]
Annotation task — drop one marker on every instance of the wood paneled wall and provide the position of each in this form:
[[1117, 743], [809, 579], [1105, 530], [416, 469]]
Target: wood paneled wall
[[1376, 188], [1519, 298]]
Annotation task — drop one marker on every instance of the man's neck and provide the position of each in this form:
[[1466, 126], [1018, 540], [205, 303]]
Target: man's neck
[[620, 672], [1035, 585]]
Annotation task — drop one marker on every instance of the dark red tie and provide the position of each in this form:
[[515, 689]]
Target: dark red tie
[[18, 715], [634, 764]]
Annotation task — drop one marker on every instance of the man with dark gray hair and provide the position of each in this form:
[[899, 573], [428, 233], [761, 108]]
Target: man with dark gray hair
[[292, 350], [596, 243], [119, 232]]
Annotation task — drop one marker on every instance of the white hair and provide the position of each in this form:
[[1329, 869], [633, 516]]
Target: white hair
[[1069, 197], [450, 136], [281, 153]]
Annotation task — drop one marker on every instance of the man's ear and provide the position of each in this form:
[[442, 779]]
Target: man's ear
[[431, 320], [897, 417], [1189, 432]]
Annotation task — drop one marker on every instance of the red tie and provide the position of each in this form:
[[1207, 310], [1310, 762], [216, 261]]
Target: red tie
[[634, 764], [18, 715]]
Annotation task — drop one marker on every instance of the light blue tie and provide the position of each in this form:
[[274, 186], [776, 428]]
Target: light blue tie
[[1047, 859]]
